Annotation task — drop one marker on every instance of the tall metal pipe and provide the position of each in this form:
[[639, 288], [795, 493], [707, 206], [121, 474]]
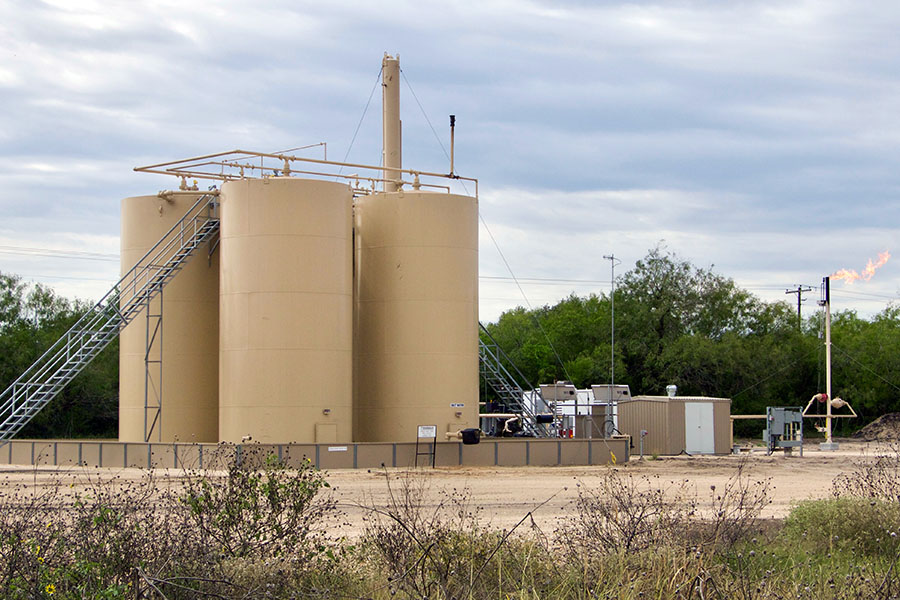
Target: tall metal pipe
[[392, 128], [452, 141], [827, 282]]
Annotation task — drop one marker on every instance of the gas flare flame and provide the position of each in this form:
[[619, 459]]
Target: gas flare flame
[[850, 275]]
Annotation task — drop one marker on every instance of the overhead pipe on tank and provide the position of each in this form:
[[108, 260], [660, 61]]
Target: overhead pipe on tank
[[169, 195], [166, 194], [391, 124], [172, 168]]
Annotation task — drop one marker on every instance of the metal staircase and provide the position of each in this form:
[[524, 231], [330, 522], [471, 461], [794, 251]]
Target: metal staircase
[[47, 377], [512, 395]]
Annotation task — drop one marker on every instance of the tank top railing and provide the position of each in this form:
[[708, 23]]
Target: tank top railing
[[71, 353]]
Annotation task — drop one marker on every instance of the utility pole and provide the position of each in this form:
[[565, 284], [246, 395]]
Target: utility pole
[[801, 289], [613, 261]]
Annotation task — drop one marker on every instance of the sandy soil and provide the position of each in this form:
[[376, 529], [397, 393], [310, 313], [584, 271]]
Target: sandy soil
[[506, 495]]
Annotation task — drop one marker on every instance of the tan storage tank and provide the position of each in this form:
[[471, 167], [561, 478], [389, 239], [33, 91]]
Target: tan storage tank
[[190, 338], [286, 311], [417, 314]]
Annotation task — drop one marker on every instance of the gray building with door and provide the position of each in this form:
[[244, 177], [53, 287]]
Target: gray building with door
[[690, 424]]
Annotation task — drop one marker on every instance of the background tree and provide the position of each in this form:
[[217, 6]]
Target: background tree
[[675, 324], [692, 327], [32, 318]]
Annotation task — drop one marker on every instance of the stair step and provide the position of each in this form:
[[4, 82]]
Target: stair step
[[78, 347]]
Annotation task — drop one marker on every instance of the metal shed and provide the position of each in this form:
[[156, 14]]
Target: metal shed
[[691, 424]]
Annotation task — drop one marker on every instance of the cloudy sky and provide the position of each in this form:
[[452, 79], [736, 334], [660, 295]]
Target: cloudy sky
[[759, 137]]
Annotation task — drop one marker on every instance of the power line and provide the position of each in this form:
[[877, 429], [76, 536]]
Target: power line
[[109, 280], [545, 280], [424, 114], [773, 374], [433, 130], [864, 366], [358, 125], [869, 294], [54, 253], [522, 291], [490, 234]]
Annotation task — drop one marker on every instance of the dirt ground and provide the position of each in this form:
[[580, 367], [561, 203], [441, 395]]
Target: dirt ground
[[505, 495], [885, 427]]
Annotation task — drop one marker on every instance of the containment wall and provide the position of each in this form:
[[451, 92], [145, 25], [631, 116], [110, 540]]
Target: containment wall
[[490, 452]]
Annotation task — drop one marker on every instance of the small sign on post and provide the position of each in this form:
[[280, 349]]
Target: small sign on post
[[427, 431], [424, 433]]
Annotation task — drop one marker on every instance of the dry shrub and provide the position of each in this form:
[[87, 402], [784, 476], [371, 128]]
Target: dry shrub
[[624, 514], [877, 477], [733, 511], [86, 543], [165, 534], [442, 550]]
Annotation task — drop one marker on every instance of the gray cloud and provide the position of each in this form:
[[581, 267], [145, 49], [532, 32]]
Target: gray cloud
[[759, 136]]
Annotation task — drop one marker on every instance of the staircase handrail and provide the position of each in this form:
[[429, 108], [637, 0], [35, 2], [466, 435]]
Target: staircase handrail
[[508, 360], [497, 366], [102, 322]]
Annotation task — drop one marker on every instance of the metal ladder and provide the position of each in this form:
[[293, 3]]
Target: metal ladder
[[510, 393], [49, 374]]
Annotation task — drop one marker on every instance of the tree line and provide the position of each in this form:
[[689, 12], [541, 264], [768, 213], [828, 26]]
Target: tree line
[[33, 317], [676, 323]]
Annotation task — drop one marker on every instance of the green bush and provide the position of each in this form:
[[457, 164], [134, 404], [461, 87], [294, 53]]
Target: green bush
[[859, 525], [257, 512], [177, 534]]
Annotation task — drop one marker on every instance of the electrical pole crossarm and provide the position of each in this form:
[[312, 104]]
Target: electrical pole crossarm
[[801, 289]]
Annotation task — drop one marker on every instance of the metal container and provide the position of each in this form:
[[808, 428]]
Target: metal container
[[185, 383], [696, 425], [416, 324], [286, 308]]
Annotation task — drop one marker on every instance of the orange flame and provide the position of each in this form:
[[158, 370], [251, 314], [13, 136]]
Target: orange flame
[[850, 275]]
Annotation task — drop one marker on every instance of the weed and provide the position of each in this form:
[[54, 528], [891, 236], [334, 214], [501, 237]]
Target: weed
[[442, 550], [173, 534], [255, 530], [857, 525], [878, 478]]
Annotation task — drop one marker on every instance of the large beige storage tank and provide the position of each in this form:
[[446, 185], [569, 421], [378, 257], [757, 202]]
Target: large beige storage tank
[[286, 311], [417, 314], [190, 339]]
